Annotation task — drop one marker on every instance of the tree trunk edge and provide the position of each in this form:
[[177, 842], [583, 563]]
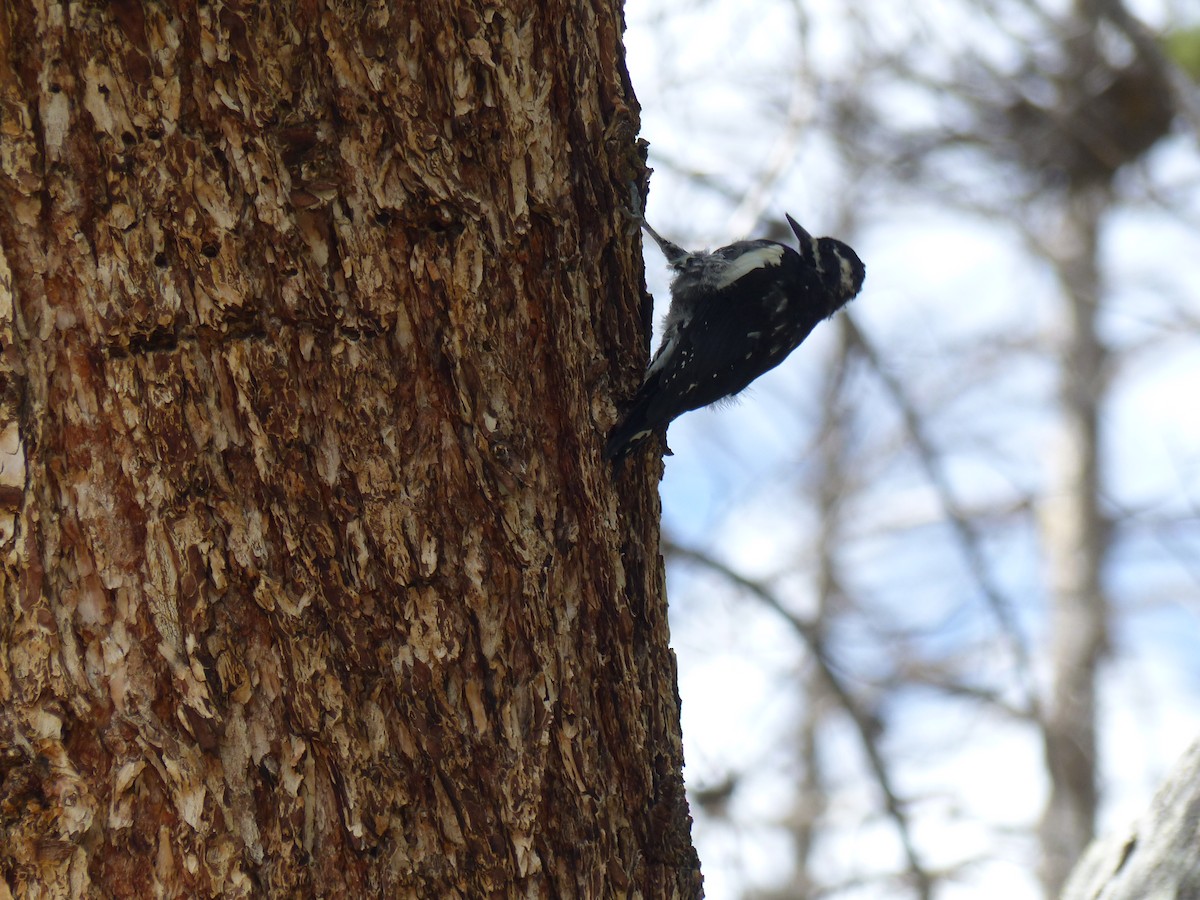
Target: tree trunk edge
[[1158, 856]]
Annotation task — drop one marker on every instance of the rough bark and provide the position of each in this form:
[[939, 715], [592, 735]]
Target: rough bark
[[314, 582], [1157, 857]]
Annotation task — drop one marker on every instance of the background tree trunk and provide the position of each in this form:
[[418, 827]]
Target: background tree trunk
[[1076, 546], [1075, 534], [314, 582], [1157, 858]]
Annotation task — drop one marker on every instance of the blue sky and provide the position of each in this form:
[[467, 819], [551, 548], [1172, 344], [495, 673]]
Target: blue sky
[[962, 316]]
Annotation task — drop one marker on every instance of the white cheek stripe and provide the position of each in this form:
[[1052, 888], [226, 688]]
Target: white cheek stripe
[[847, 275], [748, 262]]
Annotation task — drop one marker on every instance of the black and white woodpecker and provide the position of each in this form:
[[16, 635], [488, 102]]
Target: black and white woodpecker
[[735, 313]]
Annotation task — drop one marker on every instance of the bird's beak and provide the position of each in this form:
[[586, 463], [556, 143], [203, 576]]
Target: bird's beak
[[804, 236], [808, 245]]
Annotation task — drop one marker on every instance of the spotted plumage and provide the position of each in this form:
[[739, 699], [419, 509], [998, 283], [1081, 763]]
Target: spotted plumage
[[735, 313]]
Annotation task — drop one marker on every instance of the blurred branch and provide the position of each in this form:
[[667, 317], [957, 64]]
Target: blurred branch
[[1160, 529], [936, 678], [711, 181], [866, 724], [970, 544], [756, 198]]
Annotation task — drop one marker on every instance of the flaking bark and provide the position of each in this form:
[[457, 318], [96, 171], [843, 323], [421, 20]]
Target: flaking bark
[[314, 582]]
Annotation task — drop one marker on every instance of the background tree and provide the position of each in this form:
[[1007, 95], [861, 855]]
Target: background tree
[[987, 574], [314, 582], [1157, 854]]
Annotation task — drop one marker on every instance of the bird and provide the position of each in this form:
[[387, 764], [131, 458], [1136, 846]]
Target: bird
[[735, 313]]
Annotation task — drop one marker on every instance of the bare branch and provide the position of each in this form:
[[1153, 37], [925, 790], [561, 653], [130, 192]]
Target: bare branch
[[867, 724], [969, 542]]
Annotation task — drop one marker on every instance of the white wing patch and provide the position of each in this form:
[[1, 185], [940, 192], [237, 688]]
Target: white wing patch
[[665, 351], [747, 263]]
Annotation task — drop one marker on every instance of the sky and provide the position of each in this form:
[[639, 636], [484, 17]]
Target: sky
[[715, 84]]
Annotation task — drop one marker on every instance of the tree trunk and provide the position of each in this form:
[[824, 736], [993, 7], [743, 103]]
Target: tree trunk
[[314, 582], [1076, 547], [1157, 858]]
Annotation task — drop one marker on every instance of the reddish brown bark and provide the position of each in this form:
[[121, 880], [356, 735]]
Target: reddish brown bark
[[314, 582]]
